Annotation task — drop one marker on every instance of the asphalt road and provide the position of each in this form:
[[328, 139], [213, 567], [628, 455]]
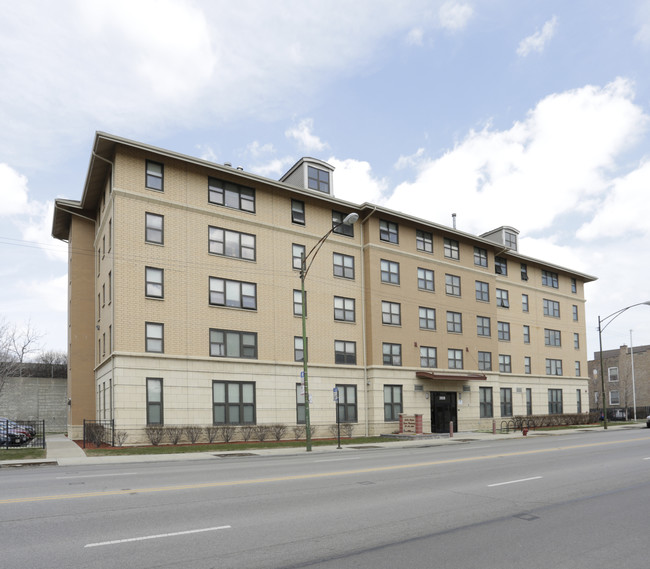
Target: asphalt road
[[571, 501]]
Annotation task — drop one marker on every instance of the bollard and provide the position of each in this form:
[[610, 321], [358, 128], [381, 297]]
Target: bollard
[[451, 429], [494, 427]]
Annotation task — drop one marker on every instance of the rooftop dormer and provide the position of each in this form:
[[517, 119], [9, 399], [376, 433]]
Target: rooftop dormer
[[506, 236], [312, 174]]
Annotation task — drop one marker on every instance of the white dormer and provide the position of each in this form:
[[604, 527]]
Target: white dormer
[[312, 174], [506, 236]]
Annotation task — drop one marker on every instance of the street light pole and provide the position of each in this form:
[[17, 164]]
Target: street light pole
[[611, 318], [305, 265]]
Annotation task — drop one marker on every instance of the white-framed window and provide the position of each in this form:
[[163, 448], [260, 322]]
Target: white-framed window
[[344, 309], [231, 243], [154, 285], [614, 398], [234, 294], [612, 373]]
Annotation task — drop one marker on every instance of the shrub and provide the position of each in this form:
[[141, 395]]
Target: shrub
[[155, 434], [261, 432], [193, 433], [347, 429], [227, 432], [173, 433], [246, 432], [299, 431], [94, 433], [120, 437], [211, 433], [278, 430]]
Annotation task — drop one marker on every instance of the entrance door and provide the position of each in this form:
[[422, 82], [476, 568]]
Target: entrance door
[[443, 411]]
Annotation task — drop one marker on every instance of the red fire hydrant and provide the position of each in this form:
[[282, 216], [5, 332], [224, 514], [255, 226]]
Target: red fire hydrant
[[524, 431]]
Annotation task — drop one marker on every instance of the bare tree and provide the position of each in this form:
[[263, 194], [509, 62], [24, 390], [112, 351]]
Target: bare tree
[[52, 357], [15, 346]]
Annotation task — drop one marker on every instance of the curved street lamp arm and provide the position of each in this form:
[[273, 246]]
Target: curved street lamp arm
[[614, 315]]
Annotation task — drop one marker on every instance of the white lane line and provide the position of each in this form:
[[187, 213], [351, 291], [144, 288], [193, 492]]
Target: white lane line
[[338, 459], [143, 538], [95, 475], [514, 481]]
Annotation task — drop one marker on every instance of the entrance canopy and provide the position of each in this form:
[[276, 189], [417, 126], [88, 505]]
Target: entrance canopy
[[449, 377]]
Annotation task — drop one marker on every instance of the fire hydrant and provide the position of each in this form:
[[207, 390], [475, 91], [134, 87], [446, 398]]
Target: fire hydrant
[[524, 431]]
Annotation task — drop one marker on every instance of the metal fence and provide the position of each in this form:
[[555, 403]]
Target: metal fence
[[21, 434], [98, 433]]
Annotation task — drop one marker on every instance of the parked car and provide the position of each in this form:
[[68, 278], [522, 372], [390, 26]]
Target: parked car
[[8, 437], [24, 433], [647, 421]]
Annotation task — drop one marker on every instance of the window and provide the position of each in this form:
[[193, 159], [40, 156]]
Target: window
[[153, 232], [526, 334], [529, 401], [549, 279], [154, 176], [424, 241], [576, 340], [318, 179], [392, 402], [154, 282], [551, 308], [485, 402], [452, 248], [454, 322], [485, 361], [428, 356], [425, 279], [427, 318], [389, 272], [234, 294], [482, 326], [527, 366], [455, 358], [392, 354], [344, 309], [575, 313], [578, 401], [524, 272], [154, 401], [452, 285], [505, 363], [298, 349], [503, 329], [555, 402], [506, 402], [500, 266], [231, 243], [552, 337], [233, 403], [577, 368], [511, 240], [391, 313], [231, 195], [346, 406], [614, 398], [524, 303], [298, 212], [233, 344], [110, 286], [297, 303], [154, 337], [341, 228], [503, 299], [297, 253], [343, 266], [574, 286], [482, 291], [388, 231], [612, 373], [300, 404], [553, 367], [480, 257], [345, 352]]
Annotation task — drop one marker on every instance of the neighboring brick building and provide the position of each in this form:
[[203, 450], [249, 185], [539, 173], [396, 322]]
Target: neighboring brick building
[[185, 308], [617, 365]]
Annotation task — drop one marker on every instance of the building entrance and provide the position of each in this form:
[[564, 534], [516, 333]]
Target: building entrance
[[443, 411]]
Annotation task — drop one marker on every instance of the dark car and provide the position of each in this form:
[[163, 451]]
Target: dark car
[[647, 421], [23, 433], [8, 437]]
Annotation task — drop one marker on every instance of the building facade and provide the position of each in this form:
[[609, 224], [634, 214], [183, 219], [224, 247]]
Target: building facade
[[185, 305], [627, 379]]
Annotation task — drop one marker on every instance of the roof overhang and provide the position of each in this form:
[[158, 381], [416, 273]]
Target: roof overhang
[[450, 377]]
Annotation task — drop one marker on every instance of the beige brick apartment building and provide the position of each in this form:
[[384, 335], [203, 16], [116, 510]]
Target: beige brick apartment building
[[185, 307]]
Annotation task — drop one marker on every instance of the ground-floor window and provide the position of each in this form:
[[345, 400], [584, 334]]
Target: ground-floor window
[[154, 401], [554, 401], [300, 404], [506, 402], [392, 402], [485, 402], [578, 401], [529, 401], [346, 407], [233, 402]]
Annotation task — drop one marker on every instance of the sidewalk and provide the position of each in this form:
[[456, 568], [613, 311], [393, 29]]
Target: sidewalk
[[64, 452]]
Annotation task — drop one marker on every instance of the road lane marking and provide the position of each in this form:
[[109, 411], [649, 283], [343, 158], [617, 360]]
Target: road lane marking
[[514, 481], [95, 475], [160, 535], [338, 459], [303, 476]]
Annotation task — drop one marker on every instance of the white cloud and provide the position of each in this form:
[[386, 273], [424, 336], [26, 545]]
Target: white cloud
[[554, 162], [14, 193], [455, 15], [256, 149], [409, 161], [415, 37], [537, 42], [274, 168], [354, 182], [302, 134]]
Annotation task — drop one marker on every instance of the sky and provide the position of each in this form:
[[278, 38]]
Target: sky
[[532, 114]]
